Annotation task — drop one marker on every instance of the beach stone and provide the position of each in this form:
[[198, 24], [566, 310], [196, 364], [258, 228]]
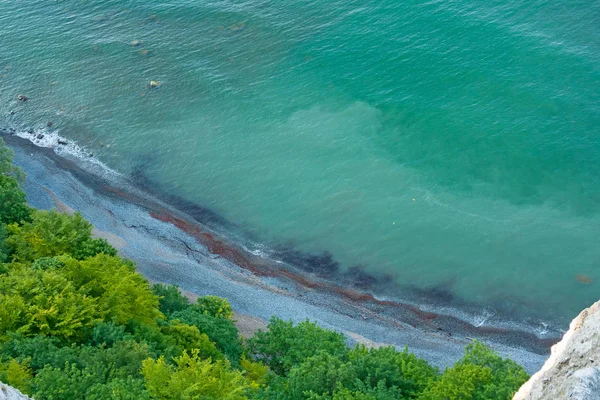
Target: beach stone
[[570, 372], [154, 84], [22, 97]]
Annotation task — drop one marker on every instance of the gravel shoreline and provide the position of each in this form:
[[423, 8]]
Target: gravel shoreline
[[169, 247]]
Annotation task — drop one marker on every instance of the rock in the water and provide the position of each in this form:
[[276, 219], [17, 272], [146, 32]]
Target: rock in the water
[[154, 84], [22, 97], [571, 372], [136, 43], [30, 130], [49, 124], [62, 141], [40, 136], [10, 393]]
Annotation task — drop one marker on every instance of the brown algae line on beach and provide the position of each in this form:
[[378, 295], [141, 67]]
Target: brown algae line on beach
[[260, 267], [417, 317]]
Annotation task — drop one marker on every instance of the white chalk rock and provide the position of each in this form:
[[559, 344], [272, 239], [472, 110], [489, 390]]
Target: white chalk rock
[[10, 393], [573, 369]]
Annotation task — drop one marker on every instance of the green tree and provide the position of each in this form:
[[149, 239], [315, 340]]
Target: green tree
[[194, 378], [461, 382], [119, 389], [171, 299], [189, 338], [6, 163], [221, 331], [44, 302], [14, 208], [39, 351], [73, 382], [318, 375], [91, 247], [507, 375], [123, 294], [4, 248], [216, 306], [387, 368], [49, 234], [65, 372], [285, 345], [480, 375], [16, 374]]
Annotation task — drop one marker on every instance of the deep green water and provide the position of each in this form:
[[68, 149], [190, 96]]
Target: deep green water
[[452, 143]]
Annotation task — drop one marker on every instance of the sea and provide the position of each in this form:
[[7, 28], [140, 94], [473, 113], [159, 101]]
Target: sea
[[446, 146]]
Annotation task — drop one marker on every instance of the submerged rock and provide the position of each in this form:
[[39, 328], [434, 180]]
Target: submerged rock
[[22, 97], [573, 369]]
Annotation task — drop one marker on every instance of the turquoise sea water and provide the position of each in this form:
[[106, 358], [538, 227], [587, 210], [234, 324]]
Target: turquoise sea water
[[447, 143]]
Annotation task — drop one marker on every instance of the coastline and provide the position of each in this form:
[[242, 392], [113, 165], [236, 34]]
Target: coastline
[[171, 246]]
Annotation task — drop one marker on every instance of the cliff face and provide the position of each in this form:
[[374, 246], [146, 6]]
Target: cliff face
[[573, 369], [10, 393]]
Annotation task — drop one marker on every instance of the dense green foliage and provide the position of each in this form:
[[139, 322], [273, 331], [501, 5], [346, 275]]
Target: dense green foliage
[[78, 322]]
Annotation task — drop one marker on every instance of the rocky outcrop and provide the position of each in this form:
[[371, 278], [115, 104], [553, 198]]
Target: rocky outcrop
[[573, 369], [10, 393]]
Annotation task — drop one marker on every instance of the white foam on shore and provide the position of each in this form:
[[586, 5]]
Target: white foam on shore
[[69, 149], [485, 317]]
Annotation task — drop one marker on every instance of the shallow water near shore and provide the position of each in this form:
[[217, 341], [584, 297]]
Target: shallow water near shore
[[447, 145]]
